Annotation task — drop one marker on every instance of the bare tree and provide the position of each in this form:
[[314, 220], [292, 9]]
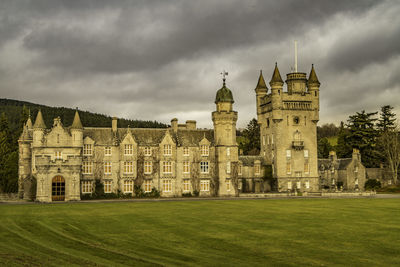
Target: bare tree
[[390, 144]]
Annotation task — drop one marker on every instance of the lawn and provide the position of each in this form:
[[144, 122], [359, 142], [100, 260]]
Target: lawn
[[291, 232]]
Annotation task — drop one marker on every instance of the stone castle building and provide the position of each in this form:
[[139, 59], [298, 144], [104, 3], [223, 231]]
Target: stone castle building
[[64, 163]]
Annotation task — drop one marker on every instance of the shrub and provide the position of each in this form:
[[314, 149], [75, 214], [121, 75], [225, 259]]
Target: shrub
[[187, 194], [372, 184]]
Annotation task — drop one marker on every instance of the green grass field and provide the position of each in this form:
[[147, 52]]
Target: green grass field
[[291, 232]]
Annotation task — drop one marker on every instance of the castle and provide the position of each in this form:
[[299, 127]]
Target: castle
[[64, 163]]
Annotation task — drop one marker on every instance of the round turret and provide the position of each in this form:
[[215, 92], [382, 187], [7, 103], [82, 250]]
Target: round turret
[[224, 95]]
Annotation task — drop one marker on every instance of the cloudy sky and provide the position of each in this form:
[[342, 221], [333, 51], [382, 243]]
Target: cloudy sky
[[156, 60]]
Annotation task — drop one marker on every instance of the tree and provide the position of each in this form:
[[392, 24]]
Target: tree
[[8, 158], [343, 149], [387, 119], [362, 135], [235, 177], [324, 147], [389, 145], [250, 141]]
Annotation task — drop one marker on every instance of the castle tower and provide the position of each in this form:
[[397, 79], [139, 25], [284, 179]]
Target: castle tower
[[224, 119], [288, 129], [25, 162], [77, 131]]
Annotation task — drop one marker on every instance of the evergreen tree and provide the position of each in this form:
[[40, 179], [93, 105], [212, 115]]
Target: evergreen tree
[[324, 147], [343, 149], [250, 139], [362, 135], [387, 119]]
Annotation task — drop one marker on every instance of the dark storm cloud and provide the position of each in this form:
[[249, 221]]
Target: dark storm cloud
[[154, 59]]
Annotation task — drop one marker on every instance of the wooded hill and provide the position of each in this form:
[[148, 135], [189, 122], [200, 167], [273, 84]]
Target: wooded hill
[[14, 110]]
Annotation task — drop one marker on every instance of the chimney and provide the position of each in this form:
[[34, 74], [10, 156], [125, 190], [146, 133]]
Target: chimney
[[191, 125], [332, 155], [174, 124], [356, 154], [114, 124]]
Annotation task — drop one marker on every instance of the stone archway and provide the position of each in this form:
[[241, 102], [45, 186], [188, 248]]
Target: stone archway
[[58, 188]]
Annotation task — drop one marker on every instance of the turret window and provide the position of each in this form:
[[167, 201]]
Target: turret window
[[306, 167], [228, 167], [228, 151], [58, 155]]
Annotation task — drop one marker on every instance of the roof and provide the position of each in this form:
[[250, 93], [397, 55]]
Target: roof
[[313, 79], [76, 124], [224, 95], [339, 164], [261, 82], [149, 136], [276, 76], [39, 123], [249, 160]]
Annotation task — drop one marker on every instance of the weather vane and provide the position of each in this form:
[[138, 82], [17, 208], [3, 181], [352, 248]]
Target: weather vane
[[224, 74]]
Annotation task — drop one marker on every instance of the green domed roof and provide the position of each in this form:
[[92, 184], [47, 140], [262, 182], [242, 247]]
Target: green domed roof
[[224, 95]]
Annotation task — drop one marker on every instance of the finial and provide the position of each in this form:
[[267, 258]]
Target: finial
[[260, 71], [76, 108], [276, 64], [224, 74]]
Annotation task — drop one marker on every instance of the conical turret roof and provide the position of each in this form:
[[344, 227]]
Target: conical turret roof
[[39, 123], [276, 77], [313, 76], [76, 124], [261, 82], [29, 122]]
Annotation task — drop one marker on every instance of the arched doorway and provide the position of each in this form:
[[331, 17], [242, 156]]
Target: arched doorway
[[58, 189]]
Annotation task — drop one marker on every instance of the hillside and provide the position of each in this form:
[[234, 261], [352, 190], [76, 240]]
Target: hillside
[[13, 110]]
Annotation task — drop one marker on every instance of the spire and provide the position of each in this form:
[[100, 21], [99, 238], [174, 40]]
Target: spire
[[76, 124], [313, 77], [276, 77], [29, 122], [261, 82], [39, 123]]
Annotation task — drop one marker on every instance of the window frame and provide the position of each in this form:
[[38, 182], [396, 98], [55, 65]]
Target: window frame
[[204, 167]]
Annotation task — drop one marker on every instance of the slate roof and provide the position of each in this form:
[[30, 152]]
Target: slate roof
[[276, 76], [339, 164], [149, 136], [249, 160]]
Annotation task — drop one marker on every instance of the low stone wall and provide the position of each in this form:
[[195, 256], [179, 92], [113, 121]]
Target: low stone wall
[[308, 194], [348, 194], [9, 196]]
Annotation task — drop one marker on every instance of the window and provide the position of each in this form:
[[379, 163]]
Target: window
[[58, 155], [288, 153], [240, 184], [263, 140], [148, 167], [228, 185], [147, 151], [167, 167], [306, 167], [87, 167], [240, 169], [128, 150], [204, 150], [107, 151], [356, 169], [297, 136], [86, 187], [298, 174], [128, 186], [107, 186], [268, 140], [107, 167], [128, 167], [204, 167], [167, 150], [186, 151], [186, 185], [333, 181], [288, 167], [167, 185], [332, 169], [257, 169], [228, 151], [87, 150], [204, 185], [308, 184], [356, 181], [289, 185], [147, 186], [186, 167], [228, 167], [306, 154], [296, 120], [298, 185], [272, 139]]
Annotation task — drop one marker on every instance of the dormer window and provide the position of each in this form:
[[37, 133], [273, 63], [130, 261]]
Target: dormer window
[[128, 150], [167, 150], [147, 151], [107, 151], [87, 150], [204, 151]]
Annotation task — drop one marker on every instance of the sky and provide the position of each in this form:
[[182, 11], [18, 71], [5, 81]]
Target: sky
[[157, 60]]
